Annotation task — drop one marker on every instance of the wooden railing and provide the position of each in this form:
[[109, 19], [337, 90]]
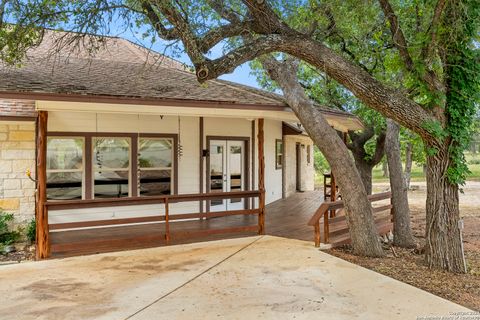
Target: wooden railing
[[167, 217], [326, 207]]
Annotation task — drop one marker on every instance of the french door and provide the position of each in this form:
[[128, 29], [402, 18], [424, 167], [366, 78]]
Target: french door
[[227, 172]]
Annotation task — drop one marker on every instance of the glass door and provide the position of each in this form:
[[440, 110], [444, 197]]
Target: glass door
[[227, 172]]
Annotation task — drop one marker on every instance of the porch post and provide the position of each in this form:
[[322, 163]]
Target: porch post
[[42, 240], [261, 178]]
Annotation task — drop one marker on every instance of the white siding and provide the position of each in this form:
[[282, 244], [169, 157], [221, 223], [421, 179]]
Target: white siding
[[188, 164], [273, 176]]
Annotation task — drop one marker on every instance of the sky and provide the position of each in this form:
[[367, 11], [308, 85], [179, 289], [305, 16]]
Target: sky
[[240, 75]]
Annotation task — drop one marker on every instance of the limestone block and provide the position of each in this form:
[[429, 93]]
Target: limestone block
[[22, 135], [23, 165], [27, 127], [28, 184], [9, 204], [12, 184], [13, 193], [18, 154], [5, 166], [5, 145]]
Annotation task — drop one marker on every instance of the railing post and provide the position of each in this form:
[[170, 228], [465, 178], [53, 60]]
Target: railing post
[[42, 236], [167, 225], [261, 178], [317, 233], [326, 227]]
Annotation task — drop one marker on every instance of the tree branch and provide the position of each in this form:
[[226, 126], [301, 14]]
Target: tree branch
[[437, 14], [397, 34], [401, 44]]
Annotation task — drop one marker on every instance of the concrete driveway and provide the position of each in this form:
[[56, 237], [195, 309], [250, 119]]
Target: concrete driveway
[[248, 278]]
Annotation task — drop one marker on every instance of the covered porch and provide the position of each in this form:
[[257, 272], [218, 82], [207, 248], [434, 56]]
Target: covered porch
[[286, 218]]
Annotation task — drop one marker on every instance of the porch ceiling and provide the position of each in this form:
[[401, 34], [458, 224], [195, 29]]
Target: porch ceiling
[[339, 122]]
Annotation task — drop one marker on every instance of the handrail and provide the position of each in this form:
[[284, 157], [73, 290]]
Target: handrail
[[326, 207], [166, 200], [335, 205], [116, 202]]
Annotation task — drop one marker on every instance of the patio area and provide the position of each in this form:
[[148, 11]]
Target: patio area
[[245, 278], [284, 218]]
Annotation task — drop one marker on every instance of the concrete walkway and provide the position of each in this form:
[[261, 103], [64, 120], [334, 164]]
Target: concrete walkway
[[249, 278]]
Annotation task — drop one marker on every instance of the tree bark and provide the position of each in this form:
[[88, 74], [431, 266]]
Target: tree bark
[[365, 171], [408, 164], [365, 240], [402, 236], [443, 249], [364, 162], [386, 174]]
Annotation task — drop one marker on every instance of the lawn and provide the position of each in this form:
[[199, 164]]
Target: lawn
[[473, 161]]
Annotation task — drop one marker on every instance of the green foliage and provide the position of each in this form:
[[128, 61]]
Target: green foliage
[[31, 230], [435, 128], [319, 162], [7, 236], [463, 80]]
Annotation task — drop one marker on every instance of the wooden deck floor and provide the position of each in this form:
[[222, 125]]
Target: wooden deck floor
[[284, 218]]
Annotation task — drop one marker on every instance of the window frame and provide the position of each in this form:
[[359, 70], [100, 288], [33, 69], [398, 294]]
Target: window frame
[[172, 170], [128, 169], [279, 165], [88, 175], [82, 170]]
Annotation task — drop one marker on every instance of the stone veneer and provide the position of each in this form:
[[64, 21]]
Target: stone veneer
[[17, 154]]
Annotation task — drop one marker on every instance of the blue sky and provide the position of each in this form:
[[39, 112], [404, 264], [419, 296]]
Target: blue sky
[[240, 75]]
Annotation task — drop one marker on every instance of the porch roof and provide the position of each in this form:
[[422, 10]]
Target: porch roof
[[121, 72]]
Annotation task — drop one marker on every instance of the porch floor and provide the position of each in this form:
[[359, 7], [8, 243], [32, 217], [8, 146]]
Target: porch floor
[[284, 218]]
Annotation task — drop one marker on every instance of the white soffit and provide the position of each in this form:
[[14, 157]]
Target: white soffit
[[338, 122]]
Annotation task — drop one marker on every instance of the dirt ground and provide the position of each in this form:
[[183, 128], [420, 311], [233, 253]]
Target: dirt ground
[[408, 266]]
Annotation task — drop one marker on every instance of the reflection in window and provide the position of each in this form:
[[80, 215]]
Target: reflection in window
[[155, 161], [111, 167], [64, 168]]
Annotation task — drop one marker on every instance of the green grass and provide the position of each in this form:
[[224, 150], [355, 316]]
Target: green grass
[[473, 161]]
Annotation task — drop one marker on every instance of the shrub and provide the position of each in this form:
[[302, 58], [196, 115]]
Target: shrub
[[31, 231], [7, 236]]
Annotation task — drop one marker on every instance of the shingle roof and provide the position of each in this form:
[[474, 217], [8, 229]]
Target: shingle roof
[[120, 68]]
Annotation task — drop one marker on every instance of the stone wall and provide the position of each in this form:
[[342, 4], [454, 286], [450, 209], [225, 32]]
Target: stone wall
[[17, 155]]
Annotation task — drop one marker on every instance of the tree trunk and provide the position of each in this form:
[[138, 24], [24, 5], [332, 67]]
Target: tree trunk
[[444, 248], [385, 169], [365, 171], [365, 240], [402, 236], [408, 164]]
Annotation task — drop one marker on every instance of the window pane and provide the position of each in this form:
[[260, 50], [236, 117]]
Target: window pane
[[155, 153], [64, 185], [111, 153], [64, 153], [111, 184], [155, 182]]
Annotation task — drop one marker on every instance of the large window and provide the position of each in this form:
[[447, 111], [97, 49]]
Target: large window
[[65, 174], [111, 167], [86, 166], [155, 164]]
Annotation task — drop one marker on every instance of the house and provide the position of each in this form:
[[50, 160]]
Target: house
[[124, 135]]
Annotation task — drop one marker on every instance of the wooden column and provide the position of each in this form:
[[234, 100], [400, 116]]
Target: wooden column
[[261, 178], [42, 240]]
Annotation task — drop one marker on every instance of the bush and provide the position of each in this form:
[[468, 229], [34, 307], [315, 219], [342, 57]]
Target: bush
[[31, 231], [7, 237]]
